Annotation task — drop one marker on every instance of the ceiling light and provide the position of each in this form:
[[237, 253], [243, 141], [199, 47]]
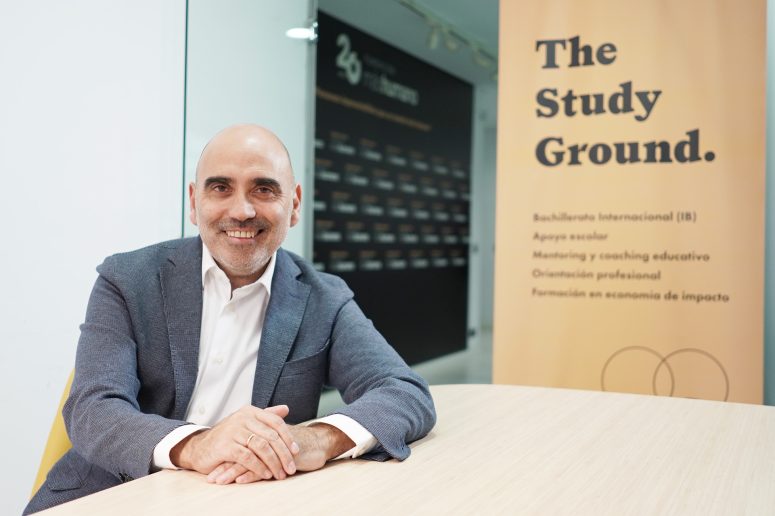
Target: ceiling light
[[449, 40], [309, 33], [453, 36], [481, 59], [433, 38]]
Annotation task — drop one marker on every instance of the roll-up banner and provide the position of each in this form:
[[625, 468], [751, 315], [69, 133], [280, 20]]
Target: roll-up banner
[[630, 203]]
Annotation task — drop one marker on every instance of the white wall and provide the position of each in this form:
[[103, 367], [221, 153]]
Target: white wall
[[91, 110], [242, 68]]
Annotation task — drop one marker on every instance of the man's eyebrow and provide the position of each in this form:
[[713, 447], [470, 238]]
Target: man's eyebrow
[[268, 182], [217, 179]]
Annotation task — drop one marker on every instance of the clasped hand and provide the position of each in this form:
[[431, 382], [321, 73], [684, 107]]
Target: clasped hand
[[227, 453]]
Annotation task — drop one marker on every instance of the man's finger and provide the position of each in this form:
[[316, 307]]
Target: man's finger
[[270, 417], [231, 474], [267, 445], [218, 470], [247, 478], [279, 410], [239, 454]]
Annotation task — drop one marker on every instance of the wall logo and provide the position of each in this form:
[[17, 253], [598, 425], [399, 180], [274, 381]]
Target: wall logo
[[375, 77], [347, 60]]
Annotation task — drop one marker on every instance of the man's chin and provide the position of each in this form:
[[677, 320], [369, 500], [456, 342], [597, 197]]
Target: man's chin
[[242, 269]]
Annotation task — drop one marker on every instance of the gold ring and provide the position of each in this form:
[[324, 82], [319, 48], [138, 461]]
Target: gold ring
[[247, 443]]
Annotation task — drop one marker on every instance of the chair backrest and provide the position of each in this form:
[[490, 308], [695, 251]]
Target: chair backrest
[[58, 442]]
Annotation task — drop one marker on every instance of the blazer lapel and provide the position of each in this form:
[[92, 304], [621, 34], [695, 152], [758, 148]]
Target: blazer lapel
[[181, 284], [284, 313]]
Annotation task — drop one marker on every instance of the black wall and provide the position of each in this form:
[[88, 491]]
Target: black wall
[[392, 183]]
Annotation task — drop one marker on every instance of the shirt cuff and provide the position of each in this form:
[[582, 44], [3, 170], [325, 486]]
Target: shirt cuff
[[161, 453], [363, 439]]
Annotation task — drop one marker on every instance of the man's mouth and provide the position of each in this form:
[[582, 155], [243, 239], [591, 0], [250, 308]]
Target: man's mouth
[[242, 234]]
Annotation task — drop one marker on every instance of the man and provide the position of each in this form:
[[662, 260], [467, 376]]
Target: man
[[208, 354]]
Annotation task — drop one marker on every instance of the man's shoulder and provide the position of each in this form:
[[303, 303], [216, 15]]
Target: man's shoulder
[[147, 258], [319, 281]]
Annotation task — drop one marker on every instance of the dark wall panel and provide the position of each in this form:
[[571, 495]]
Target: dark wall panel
[[392, 187]]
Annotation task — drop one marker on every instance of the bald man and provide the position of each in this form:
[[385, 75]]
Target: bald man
[[210, 353]]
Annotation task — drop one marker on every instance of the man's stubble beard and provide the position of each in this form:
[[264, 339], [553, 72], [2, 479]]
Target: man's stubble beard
[[245, 262]]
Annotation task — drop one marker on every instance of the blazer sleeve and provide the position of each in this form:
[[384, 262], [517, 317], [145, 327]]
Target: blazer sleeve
[[381, 392], [102, 414]]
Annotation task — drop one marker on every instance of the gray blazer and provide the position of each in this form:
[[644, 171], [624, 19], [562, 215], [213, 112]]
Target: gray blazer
[[137, 357]]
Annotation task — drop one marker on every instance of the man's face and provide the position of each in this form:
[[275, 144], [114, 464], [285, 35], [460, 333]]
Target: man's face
[[244, 200]]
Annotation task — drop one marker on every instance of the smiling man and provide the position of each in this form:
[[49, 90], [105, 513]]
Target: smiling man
[[210, 353]]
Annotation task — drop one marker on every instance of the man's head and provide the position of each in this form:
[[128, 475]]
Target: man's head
[[244, 199]]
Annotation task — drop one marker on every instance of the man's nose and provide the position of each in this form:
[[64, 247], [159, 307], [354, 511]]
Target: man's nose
[[242, 209]]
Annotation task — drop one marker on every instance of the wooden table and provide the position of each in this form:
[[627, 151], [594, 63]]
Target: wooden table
[[514, 450]]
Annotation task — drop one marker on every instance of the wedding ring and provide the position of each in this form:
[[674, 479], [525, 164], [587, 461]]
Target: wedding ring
[[247, 443]]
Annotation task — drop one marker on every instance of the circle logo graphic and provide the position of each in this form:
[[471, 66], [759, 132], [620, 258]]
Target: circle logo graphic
[[685, 373]]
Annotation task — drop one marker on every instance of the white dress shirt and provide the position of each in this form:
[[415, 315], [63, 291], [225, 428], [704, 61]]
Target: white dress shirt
[[232, 323]]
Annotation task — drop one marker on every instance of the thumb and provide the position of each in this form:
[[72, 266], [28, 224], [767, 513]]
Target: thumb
[[278, 410]]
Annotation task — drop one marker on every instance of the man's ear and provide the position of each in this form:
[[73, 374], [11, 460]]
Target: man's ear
[[296, 211], [192, 203]]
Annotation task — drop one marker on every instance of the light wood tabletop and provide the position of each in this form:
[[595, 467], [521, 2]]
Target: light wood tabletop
[[514, 450]]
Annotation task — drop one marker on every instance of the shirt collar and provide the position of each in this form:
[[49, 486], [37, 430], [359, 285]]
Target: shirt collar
[[209, 266]]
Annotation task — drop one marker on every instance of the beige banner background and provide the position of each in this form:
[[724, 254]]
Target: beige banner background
[[601, 310]]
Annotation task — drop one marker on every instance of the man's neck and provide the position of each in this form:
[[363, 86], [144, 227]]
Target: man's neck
[[241, 281], [237, 280]]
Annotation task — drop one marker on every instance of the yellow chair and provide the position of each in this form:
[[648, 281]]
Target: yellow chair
[[58, 442]]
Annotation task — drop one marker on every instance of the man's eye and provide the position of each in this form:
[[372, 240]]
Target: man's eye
[[264, 190], [220, 188]]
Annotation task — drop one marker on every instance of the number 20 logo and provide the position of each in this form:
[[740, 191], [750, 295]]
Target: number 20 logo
[[348, 60]]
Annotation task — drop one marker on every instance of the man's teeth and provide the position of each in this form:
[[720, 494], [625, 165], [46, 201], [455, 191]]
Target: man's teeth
[[241, 234]]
